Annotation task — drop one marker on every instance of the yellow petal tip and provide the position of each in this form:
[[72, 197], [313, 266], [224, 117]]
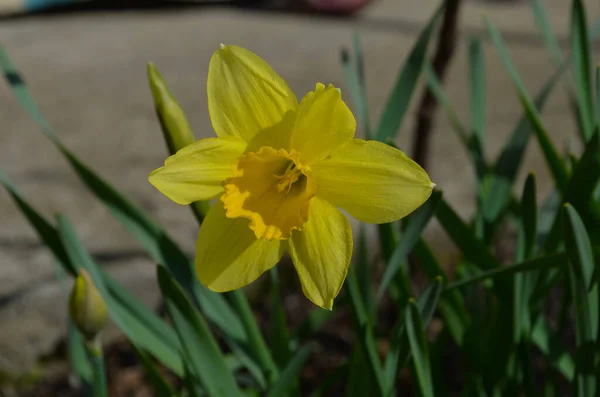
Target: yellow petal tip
[[432, 185], [222, 46]]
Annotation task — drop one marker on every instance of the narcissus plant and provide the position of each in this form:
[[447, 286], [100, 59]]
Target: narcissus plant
[[282, 170]]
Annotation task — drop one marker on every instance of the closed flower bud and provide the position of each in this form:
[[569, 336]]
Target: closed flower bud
[[173, 122], [86, 306]]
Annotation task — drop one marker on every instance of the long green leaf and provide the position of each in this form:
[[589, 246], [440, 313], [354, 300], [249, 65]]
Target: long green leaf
[[160, 386], [451, 304], [78, 359], [411, 235], [289, 375], [541, 19], [557, 167], [364, 333], [580, 51], [399, 99], [135, 330], [399, 351], [201, 353], [472, 248], [498, 191], [419, 348], [523, 283], [545, 262], [477, 89], [585, 177], [581, 257], [546, 340]]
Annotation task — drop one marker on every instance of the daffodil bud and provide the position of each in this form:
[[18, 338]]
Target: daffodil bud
[[86, 306], [174, 124]]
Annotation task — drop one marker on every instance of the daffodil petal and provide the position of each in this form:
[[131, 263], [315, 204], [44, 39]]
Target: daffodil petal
[[197, 171], [228, 254], [245, 95], [323, 123], [374, 182], [321, 252]]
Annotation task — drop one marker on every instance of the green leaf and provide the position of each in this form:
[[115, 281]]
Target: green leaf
[[364, 333], [160, 386], [155, 340], [364, 273], [201, 352], [451, 304], [417, 223], [399, 351], [289, 375], [557, 167], [355, 79], [550, 345], [541, 18], [580, 52], [78, 359], [498, 191], [399, 99], [579, 249], [477, 89], [581, 257], [598, 96], [419, 348], [523, 283], [472, 248], [256, 343], [585, 177], [542, 263]]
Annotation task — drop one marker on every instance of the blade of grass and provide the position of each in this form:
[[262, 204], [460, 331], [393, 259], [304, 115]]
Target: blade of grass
[[580, 51], [585, 177], [541, 19], [202, 355], [498, 191], [451, 304], [399, 351], [557, 167], [399, 99], [598, 96], [523, 283], [545, 262], [417, 223], [364, 274], [581, 257], [78, 359], [477, 89], [472, 248], [160, 386], [289, 374], [365, 334], [419, 348]]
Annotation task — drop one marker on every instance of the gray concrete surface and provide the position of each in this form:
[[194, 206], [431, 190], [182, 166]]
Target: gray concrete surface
[[88, 74]]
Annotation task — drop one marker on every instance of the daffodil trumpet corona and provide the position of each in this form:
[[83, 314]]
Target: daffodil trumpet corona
[[281, 171]]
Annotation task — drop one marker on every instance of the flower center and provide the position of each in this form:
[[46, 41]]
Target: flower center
[[272, 189]]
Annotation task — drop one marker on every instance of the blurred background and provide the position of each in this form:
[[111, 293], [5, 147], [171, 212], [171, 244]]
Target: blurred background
[[86, 66]]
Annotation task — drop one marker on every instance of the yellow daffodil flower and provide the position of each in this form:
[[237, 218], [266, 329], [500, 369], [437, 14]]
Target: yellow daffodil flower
[[281, 170]]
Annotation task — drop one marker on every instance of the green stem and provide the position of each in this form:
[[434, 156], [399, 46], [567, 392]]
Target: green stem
[[96, 358], [255, 340]]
